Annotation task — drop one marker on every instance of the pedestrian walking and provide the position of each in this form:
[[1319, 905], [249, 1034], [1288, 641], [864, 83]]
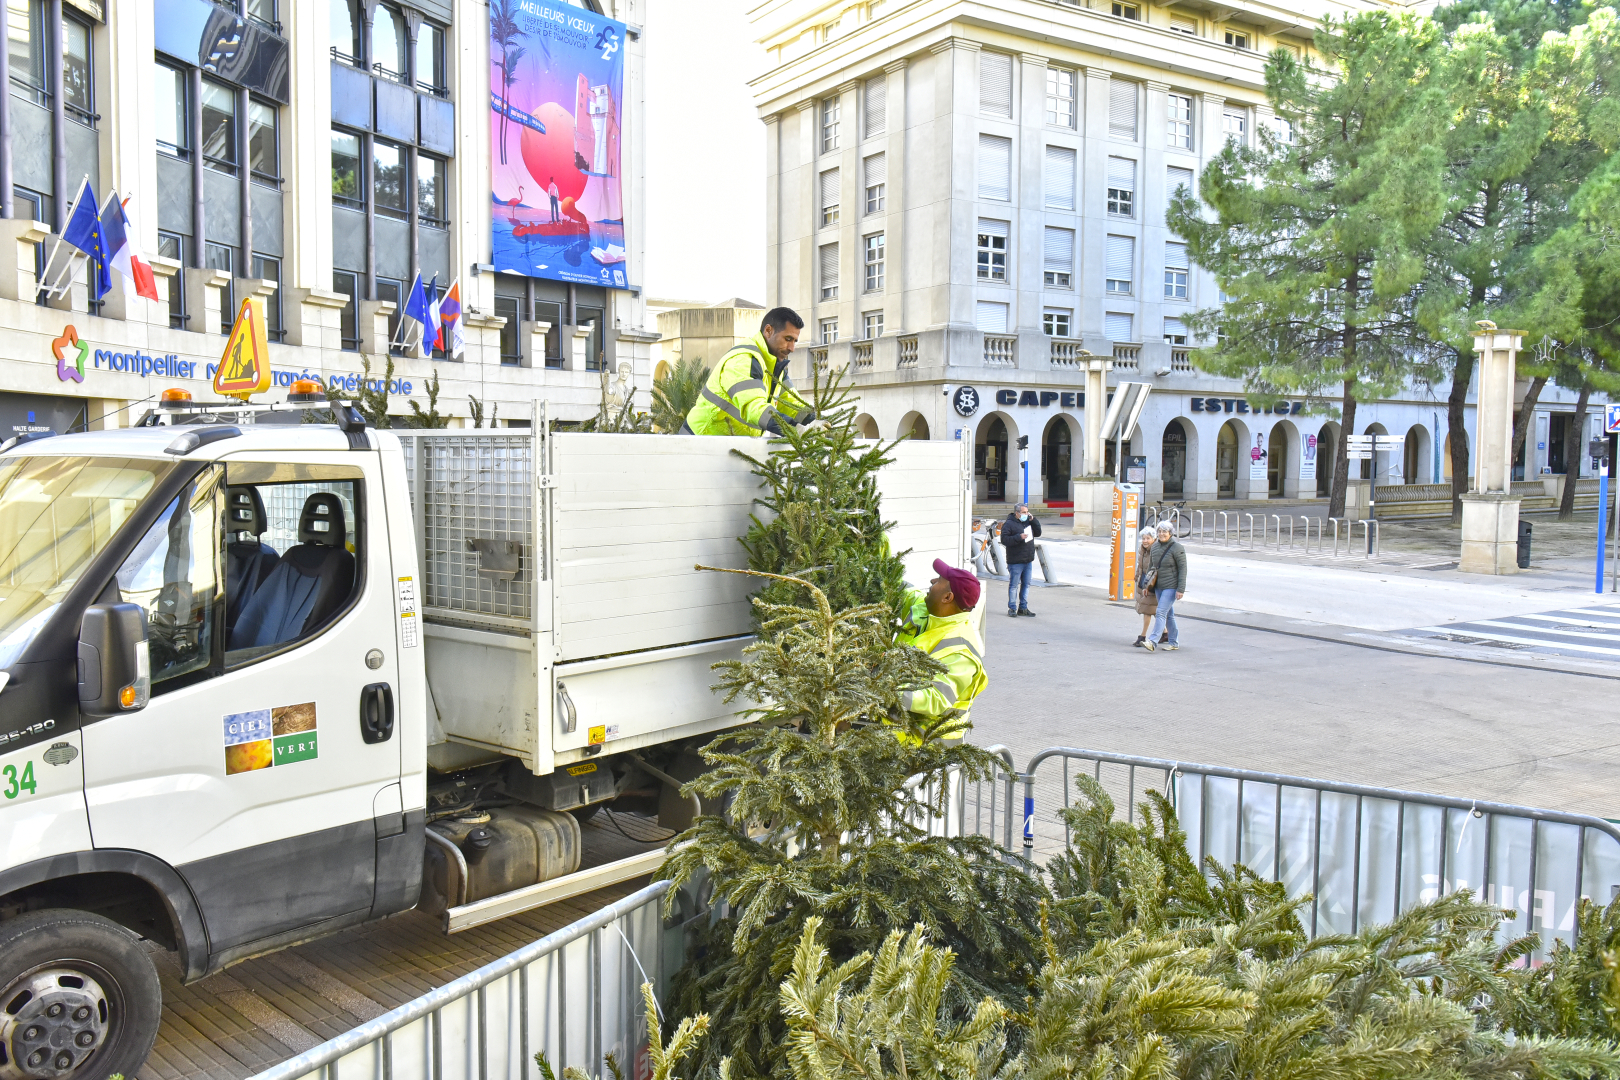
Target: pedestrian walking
[[1018, 535], [1168, 579], [1147, 602]]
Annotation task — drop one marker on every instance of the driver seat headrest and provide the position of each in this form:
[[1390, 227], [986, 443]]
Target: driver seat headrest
[[244, 511], [322, 522]]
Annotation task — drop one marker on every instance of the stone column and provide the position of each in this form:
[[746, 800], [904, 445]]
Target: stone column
[[1093, 492], [17, 280], [204, 295], [373, 329], [1490, 525], [314, 318], [894, 206]]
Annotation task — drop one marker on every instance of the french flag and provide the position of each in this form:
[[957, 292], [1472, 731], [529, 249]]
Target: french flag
[[431, 341], [124, 251]]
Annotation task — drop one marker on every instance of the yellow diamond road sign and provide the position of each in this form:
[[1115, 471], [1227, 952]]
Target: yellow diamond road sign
[[244, 369]]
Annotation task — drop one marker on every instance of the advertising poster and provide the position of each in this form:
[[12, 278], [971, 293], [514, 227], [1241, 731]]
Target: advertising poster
[[556, 79], [1307, 461], [1257, 460]]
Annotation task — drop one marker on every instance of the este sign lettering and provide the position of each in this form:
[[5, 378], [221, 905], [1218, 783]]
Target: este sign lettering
[[1239, 405]]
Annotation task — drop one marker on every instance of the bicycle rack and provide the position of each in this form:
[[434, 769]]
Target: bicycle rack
[[1369, 533], [1250, 518], [1336, 535], [1198, 517], [1308, 521]]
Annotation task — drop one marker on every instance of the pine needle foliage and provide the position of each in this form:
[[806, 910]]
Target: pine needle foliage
[[674, 395], [823, 519], [822, 799], [663, 1057]]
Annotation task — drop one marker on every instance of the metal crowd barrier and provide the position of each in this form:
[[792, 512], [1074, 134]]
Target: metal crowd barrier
[[576, 994]]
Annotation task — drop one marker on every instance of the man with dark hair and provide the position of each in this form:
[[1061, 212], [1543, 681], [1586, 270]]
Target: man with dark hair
[[749, 392]]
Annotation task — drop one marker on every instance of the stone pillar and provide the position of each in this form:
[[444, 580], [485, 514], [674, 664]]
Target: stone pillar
[[167, 275], [532, 343], [314, 318], [1093, 492], [1490, 525], [580, 348], [22, 236], [373, 328], [204, 290]]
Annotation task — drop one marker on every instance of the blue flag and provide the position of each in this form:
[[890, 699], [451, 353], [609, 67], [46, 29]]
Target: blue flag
[[83, 231], [416, 302]]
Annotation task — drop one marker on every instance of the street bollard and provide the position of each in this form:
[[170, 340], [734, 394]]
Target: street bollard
[[1046, 567]]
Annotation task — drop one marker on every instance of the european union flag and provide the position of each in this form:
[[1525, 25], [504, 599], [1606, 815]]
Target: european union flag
[[83, 231]]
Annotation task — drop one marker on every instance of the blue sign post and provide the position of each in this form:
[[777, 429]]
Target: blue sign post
[[1611, 426]]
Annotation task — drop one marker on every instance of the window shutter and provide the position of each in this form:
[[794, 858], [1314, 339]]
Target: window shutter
[[829, 265], [1122, 109], [829, 188], [877, 170], [1059, 177], [995, 167], [1120, 257], [1174, 328], [1180, 178], [877, 105], [991, 227], [991, 317], [1122, 173], [1175, 256], [995, 83], [1058, 250], [1117, 326], [1184, 25]]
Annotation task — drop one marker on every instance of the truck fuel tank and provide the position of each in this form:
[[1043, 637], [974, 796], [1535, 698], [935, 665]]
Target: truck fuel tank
[[484, 853]]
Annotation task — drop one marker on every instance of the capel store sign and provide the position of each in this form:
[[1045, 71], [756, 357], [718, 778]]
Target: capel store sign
[[966, 399]]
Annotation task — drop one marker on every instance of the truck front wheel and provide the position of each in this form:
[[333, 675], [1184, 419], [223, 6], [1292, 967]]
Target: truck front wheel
[[80, 998]]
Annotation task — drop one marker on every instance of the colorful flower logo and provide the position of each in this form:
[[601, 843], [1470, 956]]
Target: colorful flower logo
[[64, 369]]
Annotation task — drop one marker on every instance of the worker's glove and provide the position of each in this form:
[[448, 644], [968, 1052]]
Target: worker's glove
[[814, 425], [805, 416]]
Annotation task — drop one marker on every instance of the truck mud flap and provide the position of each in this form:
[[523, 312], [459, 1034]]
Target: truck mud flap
[[491, 908]]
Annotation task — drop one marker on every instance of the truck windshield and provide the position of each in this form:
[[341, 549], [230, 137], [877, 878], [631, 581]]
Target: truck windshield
[[56, 515]]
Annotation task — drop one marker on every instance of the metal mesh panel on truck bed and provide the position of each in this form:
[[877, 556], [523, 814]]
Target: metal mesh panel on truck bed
[[473, 488]]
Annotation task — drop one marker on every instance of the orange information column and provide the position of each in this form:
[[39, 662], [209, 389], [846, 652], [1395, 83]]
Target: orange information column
[[1122, 560]]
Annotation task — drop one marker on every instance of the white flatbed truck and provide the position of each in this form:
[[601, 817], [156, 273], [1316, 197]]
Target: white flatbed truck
[[261, 681]]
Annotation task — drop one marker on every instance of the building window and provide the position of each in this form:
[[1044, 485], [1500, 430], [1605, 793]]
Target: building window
[[1122, 187], [1057, 322], [218, 135], [1119, 259], [829, 125], [393, 291], [829, 197], [77, 98], [1181, 24], [430, 59], [1128, 11], [990, 316], [1117, 326], [995, 84], [595, 357], [346, 189], [173, 246], [829, 271], [263, 11], [388, 178], [1284, 129], [1237, 39], [171, 102], [264, 146], [832, 31], [1177, 178], [266, 268], [221, 257], [1174, 332], [433, 191], [876, 120], [1060, 97], [874, 263], [992, 262], [26, 24], [1180, 121], [1058, 178], [1236, 127], [510, 308], [347, 284], [872, 325], [1122, 109], [389, 43], [876, 170], [829, 331], [995, 168], [1175, 271], [551, 315], [1057, 252], [344, 31]]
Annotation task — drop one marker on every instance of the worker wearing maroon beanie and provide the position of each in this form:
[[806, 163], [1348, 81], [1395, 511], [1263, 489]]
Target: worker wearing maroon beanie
[[941, 624]]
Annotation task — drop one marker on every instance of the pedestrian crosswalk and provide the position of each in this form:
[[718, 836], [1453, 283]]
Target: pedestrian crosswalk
[[1592, 632]]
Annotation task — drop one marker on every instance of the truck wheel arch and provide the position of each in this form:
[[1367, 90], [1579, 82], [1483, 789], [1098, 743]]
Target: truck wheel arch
[[90, 875]]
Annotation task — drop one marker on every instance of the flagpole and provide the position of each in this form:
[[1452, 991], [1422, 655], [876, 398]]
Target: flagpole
[[51, 291]]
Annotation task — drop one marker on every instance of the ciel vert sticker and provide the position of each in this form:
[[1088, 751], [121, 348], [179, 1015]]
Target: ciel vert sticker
[[265, 738]]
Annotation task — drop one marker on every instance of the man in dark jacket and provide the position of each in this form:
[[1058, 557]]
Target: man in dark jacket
[[1018, 535], [1167, 562]]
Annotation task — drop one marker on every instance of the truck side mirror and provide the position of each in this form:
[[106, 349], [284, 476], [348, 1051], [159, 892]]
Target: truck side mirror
[[115, 667]]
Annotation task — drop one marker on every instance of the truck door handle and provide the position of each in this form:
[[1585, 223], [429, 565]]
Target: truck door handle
[[377, 712], [570, 717]]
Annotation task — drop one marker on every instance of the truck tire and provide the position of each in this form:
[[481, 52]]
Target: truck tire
[[79, 998]]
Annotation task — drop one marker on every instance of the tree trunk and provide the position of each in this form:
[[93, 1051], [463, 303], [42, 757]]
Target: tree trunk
[[1341, 470], [1457, 429], [1521, 419], [1572, 454]]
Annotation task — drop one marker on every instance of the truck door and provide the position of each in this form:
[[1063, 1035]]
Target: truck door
[[267, 749]]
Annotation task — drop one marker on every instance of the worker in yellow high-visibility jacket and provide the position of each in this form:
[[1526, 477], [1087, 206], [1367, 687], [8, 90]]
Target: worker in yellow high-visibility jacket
[[941, 624], [749, 392]]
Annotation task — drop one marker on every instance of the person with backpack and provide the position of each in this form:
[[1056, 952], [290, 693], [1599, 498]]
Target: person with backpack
[[1167, 578]]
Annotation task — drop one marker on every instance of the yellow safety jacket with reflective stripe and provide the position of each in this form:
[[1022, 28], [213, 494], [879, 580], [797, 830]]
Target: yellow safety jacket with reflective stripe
[[748, 393], [951, 640]]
